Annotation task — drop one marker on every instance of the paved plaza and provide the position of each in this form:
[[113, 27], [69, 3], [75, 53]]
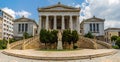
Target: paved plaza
[[111, 58]]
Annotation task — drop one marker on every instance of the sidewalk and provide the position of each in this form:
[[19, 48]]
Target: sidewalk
[[61, 55]]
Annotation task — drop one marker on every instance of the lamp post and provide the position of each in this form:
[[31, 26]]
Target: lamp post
[[8, 43], [23, 45], [95, 42]]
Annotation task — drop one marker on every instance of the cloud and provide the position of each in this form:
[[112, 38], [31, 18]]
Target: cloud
[[106, 9], [77, 6], [16, 13], [9, 11], [23, 13]]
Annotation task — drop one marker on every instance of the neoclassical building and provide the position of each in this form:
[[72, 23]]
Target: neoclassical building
[[24, 24], [109, 32], [59, 16], [94, 25]]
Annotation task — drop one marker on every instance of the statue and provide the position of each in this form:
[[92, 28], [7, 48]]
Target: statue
[[59, 45], [59, 36]]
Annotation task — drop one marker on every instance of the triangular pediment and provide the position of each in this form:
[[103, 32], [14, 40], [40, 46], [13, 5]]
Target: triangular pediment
[[58, 7]]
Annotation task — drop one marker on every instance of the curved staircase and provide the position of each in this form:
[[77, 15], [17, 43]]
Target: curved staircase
[[34, 43], [29, 43]]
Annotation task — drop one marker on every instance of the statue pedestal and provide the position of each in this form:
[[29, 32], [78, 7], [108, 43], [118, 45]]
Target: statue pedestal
[[59, 45]]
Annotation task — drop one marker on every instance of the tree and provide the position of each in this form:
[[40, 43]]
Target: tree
[[43, 36], [47, 36], [118, 42], [67, 36], [54, 36], [12, 40], [113, 39], [75, 37], [25, 35], [3, 44], [89, 35]]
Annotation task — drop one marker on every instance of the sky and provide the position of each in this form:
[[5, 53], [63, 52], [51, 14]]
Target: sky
[[105, 9]]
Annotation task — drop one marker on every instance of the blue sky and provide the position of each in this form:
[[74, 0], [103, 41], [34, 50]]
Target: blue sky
[[105, 9], [32, 5]]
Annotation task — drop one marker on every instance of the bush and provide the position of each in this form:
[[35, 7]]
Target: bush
[[89, 35], [26, 35], [67, 36], [47, 36], [115, 47], [118, 42], [12, 40], [3, 44], [114, 38], [75, 47]]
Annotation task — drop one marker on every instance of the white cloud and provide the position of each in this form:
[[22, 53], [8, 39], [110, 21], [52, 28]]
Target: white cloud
[[16, 13], [9, 11], [77, 6], [23, 13], [106, 9]]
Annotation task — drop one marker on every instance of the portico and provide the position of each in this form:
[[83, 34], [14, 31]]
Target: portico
[[59, 16]]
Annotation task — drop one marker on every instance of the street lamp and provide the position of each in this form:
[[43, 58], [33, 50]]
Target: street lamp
[[8, 44], [95, 42], [23, 45]]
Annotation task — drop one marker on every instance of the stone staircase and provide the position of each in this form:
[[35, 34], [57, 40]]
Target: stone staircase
[[34, 43], [26, 43], [84, 42]]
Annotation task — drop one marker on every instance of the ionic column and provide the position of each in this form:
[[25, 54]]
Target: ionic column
[[21, 27], [40, 25], [24, 27], [63, 23], [55, 22], [71, 23], [46, 23], [78, 25]]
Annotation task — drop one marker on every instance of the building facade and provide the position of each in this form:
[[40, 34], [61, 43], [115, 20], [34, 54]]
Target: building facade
[[59, 16], [22, 25], [109, 32], [6, 25], [93, 25]]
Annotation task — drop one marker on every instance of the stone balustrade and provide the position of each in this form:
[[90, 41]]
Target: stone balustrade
[[84, 42], [24, 42]]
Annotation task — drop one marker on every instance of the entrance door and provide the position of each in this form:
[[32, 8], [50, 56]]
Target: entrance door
[[59, 23]]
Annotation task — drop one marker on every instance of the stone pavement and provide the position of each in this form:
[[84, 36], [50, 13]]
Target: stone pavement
[[111, 58]]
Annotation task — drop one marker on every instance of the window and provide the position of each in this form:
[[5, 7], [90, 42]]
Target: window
[[90, 27], [22, 27], [97, 27], [26, 27], [118, 33], [94, 27], [19, 27]]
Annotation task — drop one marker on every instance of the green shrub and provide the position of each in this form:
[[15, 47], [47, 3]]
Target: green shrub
[[89, 35], [3, 44], [118, 42], [115, 47], [75, 47], [114, 38], [47, 36]]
